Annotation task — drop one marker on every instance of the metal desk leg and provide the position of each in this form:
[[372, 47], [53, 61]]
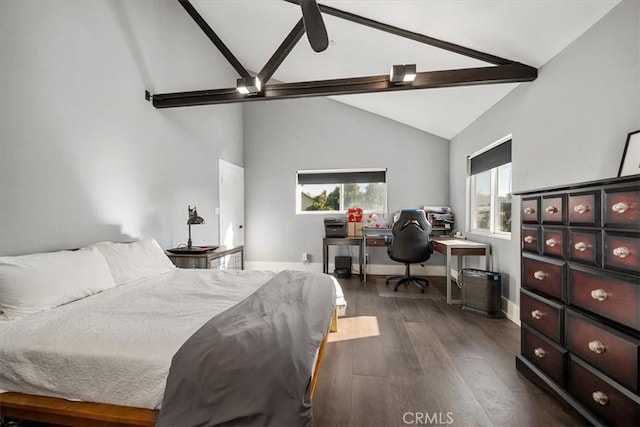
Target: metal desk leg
[[448, 275], [487, 258], [325, 258], [363, 246], [450, 300], [361, 256]]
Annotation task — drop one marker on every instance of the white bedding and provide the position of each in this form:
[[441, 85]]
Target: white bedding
[[116, 346]]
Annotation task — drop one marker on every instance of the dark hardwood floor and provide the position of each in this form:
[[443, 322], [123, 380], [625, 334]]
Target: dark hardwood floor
[[430, 364]]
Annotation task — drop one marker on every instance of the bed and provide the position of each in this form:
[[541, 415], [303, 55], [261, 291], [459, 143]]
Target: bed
[[113, 334]]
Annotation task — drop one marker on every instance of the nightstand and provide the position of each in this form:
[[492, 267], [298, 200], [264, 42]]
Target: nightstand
[[224, 258]]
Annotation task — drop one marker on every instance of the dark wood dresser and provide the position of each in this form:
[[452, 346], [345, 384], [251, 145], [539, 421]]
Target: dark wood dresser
[[580, 296]]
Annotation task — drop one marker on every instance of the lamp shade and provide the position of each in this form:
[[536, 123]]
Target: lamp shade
[[194, 218]]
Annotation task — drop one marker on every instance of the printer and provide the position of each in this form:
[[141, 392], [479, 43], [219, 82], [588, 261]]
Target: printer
[[335, 227]]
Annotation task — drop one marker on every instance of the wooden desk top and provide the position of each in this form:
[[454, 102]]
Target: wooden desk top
[[454, 241], [459, 246]]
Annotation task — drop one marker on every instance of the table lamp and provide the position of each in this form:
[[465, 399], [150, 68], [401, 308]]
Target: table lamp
[[193, 219]]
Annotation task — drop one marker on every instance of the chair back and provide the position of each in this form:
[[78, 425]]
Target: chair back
[[411, 242]]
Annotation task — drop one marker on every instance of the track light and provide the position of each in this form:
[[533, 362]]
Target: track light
[[402, 73], [248, 85]]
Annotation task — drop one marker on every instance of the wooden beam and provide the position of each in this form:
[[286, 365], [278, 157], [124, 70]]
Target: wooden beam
[[69, 413], [282, 52], [510, 73], [214, 38], [421, 38]]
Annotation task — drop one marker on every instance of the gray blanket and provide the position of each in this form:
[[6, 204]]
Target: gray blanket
[[252, 364]]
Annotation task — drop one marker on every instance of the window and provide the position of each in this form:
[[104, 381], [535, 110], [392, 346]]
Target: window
[[326, 191], [490, 190]]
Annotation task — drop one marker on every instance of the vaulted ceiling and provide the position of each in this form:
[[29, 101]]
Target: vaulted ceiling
[[530, 32]]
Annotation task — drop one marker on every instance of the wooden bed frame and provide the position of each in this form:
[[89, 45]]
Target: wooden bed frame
[[87, 414]]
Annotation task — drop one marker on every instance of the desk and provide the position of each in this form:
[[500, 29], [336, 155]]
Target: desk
[[374, 237], [341, 241], [360, 242], [203, 260], [450, 246]]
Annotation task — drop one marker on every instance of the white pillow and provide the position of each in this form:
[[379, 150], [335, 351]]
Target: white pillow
[[135, 260], [37, 282]]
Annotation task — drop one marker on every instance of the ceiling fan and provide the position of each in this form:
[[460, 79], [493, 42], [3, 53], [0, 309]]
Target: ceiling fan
[[314, 25]]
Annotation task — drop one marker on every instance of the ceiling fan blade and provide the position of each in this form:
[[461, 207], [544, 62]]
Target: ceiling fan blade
[[314, 25]]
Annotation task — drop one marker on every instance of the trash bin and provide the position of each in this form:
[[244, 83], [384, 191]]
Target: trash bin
[[343, 267], [481, 292]]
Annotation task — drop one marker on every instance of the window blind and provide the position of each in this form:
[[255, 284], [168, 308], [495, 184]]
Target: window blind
[[496, 156], [337, 177]]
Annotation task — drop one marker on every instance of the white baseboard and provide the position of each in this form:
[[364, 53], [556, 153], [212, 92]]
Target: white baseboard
[[511, 310]]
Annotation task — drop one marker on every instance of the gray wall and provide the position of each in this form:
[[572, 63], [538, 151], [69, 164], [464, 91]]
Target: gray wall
[[83, 157], [282, 137], [568, 126]]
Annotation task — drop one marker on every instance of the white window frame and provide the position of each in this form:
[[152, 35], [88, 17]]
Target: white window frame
[[298, 200], [494, 230]]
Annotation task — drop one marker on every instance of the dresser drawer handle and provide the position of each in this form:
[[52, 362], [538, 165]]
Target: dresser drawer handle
[[529, 210], [581, 246], [620, 207], [621, 252], [551, 242], [597, 347], [580, 209], [539, 352], [540, 275], [528, 239], [551, 209], [599, 294], [600, 397], [536, 314]]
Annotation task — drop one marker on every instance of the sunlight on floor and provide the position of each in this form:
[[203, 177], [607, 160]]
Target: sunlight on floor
[[350, 328]]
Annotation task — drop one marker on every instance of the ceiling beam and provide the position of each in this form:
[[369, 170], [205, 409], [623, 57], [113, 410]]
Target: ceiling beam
[[282, 52], [421, 38], [510, 73], [214, 38]]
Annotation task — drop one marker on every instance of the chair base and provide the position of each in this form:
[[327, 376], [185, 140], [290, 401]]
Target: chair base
[[420, 282]]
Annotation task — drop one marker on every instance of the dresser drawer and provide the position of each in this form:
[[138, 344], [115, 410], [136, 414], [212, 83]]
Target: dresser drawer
[[531, 210], [621, 252], [543, 353], [546, 276], [584, 208], [553, 242], [608, 350], [585, 246], [376, 241], [531, 239], [543, 315], [606, 294], [607, 400], [622, 208], [553, 210]]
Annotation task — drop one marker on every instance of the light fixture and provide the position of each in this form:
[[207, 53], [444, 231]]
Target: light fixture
[[193, 219], [248, 85], [402, 73]]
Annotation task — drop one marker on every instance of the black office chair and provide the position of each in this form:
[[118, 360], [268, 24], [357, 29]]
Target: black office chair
[[410, 245]]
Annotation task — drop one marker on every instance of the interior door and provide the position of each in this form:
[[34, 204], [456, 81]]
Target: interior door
[[231, 202]]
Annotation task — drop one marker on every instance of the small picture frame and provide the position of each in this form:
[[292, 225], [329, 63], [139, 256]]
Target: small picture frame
[[630, 164]]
